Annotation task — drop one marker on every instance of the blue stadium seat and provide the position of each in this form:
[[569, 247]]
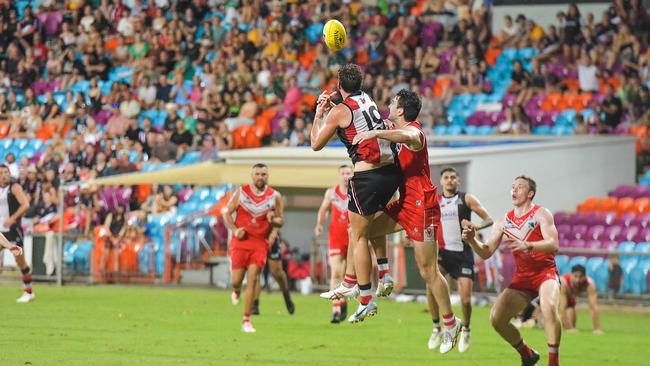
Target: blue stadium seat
[[486, 130], [587, 113], [642, 247], [471, 130], [20, 143], [568, 117], [509, 53], [454, 130], [36, 144], [190, 157], [626, 246], [440, 130], [542, 130], [601, 277], [580, 259], [593, 264], [561, 261]]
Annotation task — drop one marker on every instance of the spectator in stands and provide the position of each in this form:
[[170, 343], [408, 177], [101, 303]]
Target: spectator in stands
[[581, 127], [572, 22], [124, 165], [588, 74], [115, 224], [615, 276], [164, 150], [181, 137], [521, 81], [208, 149], [282, 136], [10, 160], [166, 200], [87, 202], [47, 212], [611, 109]]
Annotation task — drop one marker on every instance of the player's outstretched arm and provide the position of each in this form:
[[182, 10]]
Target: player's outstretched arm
[[592, 298], [15, 249], [484, 250], [323, 212], [475, 205], [322, 131], [408, 135]]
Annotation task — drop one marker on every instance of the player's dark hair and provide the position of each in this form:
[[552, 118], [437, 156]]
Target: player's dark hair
[[259, 165], [410, 102], [350, 78], [345, 166], [448, 170], [532, 185], [579, 268]]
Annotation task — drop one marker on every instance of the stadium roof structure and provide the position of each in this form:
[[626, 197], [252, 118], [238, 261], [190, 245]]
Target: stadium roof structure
[[212, 173]]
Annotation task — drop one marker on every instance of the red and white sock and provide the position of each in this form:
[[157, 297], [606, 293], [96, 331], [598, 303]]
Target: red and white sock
[[349, 280], [27, 279], [436, 323], [247, 317], [449, 320], [336, 307], [382, 267], [524, 351], [365, 294], [553, 354]]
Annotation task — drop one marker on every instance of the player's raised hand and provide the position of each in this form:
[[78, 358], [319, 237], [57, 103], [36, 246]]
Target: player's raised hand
[[318, 230], [466, 224], [270, 216], [515, 244], [363, 136], [323, 103], [16, 250]]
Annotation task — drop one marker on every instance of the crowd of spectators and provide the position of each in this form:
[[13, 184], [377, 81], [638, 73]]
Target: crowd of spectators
[[84, 75]]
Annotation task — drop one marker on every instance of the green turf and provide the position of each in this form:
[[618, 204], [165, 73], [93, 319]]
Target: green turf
[[165, 326]]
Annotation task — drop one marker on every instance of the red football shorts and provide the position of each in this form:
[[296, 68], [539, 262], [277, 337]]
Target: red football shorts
[[571, 301], [338, 243], [530, 283], [419, 215], [241, 258]]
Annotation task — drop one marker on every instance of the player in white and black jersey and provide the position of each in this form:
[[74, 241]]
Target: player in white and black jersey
[[456, 257], [13, 205]]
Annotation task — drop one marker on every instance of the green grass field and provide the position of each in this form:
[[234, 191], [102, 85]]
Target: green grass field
[[170, 326]]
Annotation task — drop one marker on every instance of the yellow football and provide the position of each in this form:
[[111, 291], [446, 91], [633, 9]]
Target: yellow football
[[334, 35]]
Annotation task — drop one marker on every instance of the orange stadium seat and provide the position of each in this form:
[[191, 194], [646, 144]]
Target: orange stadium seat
[[253, 137], [625, 205], [4, 129], [440, 86], [143, 192], [491, 56], [607, 204], [573, 85], [589, 205], [642, 205]]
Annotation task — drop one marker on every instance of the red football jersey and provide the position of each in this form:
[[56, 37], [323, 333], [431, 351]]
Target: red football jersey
[[251, 215], [415, 165], [527, 228], [576, 290], [338, 230]]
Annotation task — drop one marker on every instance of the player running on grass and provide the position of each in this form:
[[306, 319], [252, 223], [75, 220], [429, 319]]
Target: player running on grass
[[259, 210], [417, 210], [530, 233], [375, 178], [455, 257], [274, 262], [336, 200]]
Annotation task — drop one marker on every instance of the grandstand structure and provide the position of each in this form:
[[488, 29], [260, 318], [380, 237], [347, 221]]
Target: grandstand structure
[[124, 98]]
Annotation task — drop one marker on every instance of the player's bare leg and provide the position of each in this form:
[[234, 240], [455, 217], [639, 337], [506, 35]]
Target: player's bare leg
[[28, 294], [255, 310], [507, 306], [426, 256], [337, 265], [465, 291], [348, 288], [237, 278], [362, 263], [549, 300], [281, 278], [252, 274], [436, 334], [385, 284]]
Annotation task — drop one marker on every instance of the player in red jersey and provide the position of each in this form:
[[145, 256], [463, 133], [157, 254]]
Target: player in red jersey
[[376, 177], [530, 233], [336, 200], [417, 210], [573, 284], [259, 210]]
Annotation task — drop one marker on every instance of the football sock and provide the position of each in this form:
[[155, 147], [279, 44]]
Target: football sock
[[27, 279], [349, 280], [365, 294], [382, 267], [449, 320], [554, 354], [523, 349]]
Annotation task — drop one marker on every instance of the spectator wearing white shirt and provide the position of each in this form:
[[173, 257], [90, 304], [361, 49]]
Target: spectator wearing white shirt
[[588, 75], [13, 166]]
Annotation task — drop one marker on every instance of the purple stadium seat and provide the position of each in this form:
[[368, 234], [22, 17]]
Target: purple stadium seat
[[609, 245], [593, 244], [640, 191], [184, 194], [612, 231], [577, 243], [622, 191], [578, 232], [642, 235], [561, 218], [642, 220], [626, 219], [595, 232], [563, 231], [610, 218], [627, 233], [576, 218]]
